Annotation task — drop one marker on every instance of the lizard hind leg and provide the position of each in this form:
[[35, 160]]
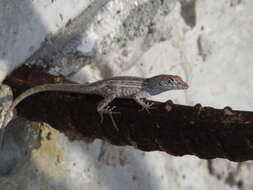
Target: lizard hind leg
[[103, 108], [109, 110]]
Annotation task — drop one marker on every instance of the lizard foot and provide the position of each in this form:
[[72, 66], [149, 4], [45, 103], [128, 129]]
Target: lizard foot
[[109, 110], [146, 106]]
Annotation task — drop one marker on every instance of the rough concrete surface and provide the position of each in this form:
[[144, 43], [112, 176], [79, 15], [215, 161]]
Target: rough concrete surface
[[208, 43]]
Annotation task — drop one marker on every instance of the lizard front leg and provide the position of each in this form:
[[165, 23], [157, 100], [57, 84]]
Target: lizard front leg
[[139, 99]]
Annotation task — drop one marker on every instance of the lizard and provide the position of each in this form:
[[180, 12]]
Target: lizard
[[136, 88]]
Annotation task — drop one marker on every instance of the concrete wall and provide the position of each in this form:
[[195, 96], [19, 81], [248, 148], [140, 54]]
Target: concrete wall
[[208, 43]]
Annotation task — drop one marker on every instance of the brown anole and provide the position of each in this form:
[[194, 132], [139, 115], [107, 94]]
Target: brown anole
[[117, 87]]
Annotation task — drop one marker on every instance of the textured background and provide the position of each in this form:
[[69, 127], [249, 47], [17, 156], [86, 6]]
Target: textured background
[[208, 43]]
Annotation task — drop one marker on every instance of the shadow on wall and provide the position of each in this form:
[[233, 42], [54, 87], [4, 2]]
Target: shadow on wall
[[64, 165], [21, 31]]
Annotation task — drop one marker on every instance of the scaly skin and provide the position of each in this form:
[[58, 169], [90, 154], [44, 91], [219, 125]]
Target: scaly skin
[[117, 87]]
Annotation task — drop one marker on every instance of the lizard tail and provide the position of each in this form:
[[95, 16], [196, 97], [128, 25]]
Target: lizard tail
[[76, 88]]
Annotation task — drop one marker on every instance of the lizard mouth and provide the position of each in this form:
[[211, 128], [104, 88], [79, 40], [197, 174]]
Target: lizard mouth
[[184, 85]]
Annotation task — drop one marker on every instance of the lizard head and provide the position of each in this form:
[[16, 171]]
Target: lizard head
[[162, 83]]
